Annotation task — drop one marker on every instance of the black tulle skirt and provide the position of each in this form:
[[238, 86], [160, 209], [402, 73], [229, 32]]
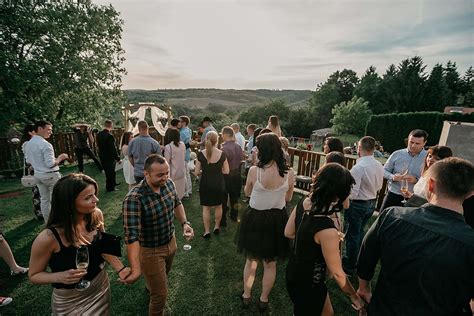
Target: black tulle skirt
[[261, 234]]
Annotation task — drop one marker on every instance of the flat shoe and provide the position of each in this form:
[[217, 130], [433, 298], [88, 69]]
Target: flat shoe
[[206, 236], [5, 300], [216, 231], [21, 271]]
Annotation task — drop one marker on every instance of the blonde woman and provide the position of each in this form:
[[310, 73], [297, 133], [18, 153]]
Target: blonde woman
[[211, 165], [274, 125]]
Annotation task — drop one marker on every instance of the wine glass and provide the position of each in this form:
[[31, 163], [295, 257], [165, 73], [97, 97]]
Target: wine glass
[[187, 235], [82, 262], [404, 189], [342, 234]]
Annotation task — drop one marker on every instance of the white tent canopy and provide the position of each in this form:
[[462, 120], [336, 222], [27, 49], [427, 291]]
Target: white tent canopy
[[157, 115]]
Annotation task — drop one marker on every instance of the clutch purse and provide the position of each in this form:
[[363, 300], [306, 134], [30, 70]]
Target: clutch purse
[[110, 244]]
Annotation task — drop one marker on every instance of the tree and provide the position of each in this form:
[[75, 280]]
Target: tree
[[59, 60], [436, 89], [368, 89], [345, 82], [351, 117], [469, 84], [454, 83], [259, 114], [321, 103]]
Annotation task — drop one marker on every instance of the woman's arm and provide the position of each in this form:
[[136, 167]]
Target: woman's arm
[[197, 168], [291, 185], [329, 241], [225, 167], [250, 180], [114, 261], [41, 251], [346, 203], [290, 228]]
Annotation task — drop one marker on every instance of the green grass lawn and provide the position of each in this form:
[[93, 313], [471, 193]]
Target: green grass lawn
[[206, 280]]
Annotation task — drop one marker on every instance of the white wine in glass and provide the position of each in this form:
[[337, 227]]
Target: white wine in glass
[[82, 262], [404, 189], [187, 236]]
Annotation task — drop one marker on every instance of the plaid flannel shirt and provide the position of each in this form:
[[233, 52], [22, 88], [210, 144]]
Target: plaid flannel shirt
[[148, 216]]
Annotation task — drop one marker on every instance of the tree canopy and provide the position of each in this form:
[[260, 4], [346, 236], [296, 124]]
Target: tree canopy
[[60, 61]]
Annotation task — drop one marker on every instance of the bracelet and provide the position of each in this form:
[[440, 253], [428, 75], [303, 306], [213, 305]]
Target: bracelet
[[121, 269], [186, 222]]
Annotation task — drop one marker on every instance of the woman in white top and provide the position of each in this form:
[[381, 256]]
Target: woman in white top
[[127, 166], [435, 154], [175, 153], [261, 235]]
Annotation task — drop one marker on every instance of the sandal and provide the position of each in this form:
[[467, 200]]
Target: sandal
[[5, 300], [20, 271]]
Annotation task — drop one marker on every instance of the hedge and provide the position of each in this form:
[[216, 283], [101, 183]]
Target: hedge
[[392, 129]]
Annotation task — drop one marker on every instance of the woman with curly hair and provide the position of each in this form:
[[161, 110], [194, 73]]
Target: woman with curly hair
[[316, 246]]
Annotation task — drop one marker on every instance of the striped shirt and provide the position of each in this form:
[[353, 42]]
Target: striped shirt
[[148, 216]]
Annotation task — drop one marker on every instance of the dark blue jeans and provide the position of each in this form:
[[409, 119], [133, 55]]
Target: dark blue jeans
[[356, 216]]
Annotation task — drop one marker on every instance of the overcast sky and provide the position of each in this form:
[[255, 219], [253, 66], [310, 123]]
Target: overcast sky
[[288, 44]]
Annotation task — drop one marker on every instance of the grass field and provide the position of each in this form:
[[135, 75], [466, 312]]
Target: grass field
[[206, 280]]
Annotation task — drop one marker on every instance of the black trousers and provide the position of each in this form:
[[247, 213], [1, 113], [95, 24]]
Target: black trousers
[[391, 199], [80, 159], [109, 169], [233, 185]]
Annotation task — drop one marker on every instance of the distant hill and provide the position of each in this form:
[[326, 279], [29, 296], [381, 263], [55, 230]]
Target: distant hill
[[202, 98]]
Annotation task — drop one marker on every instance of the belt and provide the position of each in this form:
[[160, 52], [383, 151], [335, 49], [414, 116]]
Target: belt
[[51, 171], [363, 201]]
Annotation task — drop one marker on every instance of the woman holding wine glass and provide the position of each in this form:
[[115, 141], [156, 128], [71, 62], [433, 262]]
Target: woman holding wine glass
[[73, 246]]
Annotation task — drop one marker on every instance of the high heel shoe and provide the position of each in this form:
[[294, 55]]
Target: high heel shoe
[[20, 271], [246, 301], [262, 306]]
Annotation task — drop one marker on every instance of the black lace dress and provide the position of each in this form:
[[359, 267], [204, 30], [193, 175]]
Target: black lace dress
[[306, 270]]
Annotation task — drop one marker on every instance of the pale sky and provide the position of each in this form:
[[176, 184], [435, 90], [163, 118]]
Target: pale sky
[[292, 44]]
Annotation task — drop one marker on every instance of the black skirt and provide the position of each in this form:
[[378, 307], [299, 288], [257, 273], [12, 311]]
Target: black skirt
[[261, 234]]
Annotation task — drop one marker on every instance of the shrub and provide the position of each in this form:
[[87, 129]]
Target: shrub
[[392, 129]]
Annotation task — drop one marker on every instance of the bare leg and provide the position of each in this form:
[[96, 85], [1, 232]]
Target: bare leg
[[327, 308], [269, 274], [249, 276], [206, 218], [217, 216], [7, 255]]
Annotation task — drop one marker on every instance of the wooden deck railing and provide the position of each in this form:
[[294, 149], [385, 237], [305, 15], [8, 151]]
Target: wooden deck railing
[[304, 162]]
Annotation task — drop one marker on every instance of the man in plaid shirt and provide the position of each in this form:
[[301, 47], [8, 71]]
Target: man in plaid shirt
[[148, 214]]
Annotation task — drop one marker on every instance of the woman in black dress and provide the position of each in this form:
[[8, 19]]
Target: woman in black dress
[[211, 165], [316, 244]]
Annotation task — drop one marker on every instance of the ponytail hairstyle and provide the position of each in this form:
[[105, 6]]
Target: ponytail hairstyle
[[211, 141]]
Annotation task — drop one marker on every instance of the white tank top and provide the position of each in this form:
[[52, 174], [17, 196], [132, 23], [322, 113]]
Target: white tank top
[[262, 198]]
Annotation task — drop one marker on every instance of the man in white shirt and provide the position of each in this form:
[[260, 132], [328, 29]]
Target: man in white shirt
[[40, 154], [368, 175], [239, 138]]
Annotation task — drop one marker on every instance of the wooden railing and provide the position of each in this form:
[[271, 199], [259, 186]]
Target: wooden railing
[[304, 162]]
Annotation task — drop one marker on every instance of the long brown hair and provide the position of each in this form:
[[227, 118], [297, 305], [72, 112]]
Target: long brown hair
[[63, 205], [211, 141], [438, 151]]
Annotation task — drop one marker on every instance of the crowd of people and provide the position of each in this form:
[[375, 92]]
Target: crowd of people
[[421, 237]]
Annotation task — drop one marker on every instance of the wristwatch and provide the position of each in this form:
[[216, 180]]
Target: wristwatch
[[186, 222]]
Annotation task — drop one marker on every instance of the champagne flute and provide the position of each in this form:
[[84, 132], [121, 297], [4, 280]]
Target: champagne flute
[[187, 236], [404, 189], [82, 262]]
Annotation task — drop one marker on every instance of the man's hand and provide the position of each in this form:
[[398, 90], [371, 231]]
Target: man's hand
[[410, 179], [397, 177], [188, 232], [124, 273], [366, 296], [132, 277]]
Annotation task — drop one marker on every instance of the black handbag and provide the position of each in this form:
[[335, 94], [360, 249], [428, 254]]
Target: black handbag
[[110, 244]]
